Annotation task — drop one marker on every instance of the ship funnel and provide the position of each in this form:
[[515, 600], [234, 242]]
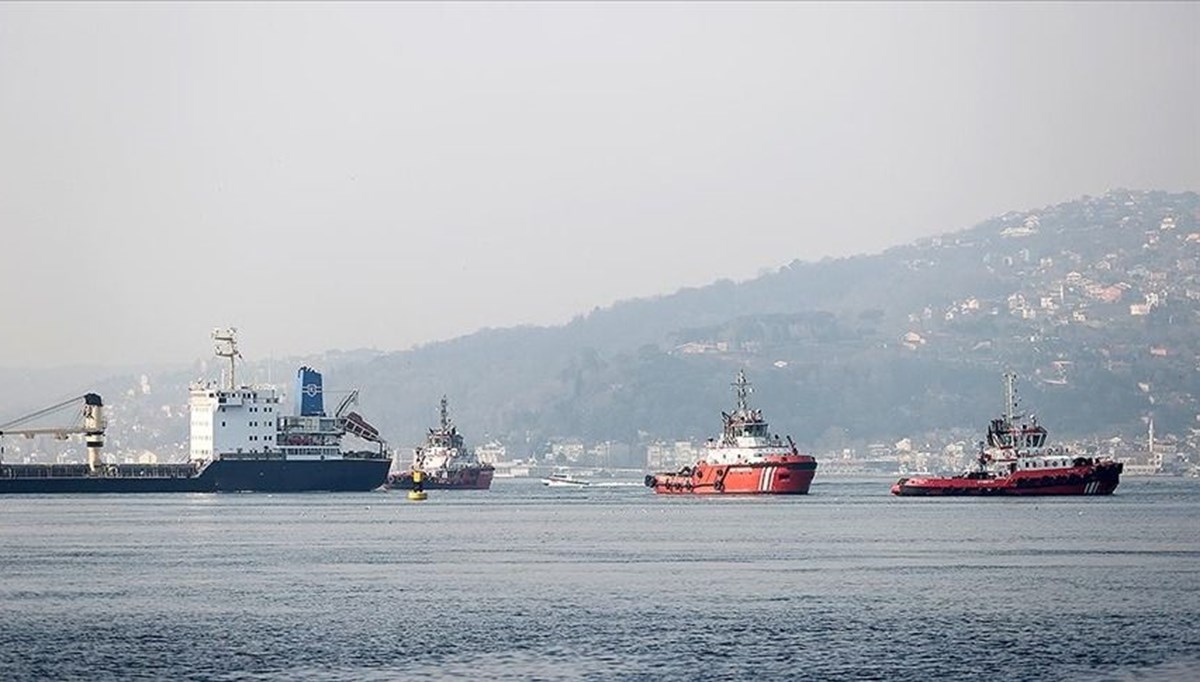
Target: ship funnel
[[310, 396]]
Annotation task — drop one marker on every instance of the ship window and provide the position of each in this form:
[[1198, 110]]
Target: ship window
[[222, 423]]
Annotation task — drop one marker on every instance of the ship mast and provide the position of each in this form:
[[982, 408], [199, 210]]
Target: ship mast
[[1010, 399], [445, 415], [743, 391], [1150, 440], [226, 340]]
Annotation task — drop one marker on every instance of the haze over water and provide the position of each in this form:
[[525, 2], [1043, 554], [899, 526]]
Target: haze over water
[[525, 582]]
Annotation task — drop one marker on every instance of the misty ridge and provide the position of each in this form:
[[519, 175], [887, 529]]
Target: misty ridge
[[1095, 303]]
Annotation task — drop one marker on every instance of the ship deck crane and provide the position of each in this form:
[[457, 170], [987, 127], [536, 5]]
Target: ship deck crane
[[354, 424], [91, 426], [351, 399]]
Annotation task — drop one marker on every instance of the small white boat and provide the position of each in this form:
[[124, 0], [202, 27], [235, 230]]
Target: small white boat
[[565, 481]]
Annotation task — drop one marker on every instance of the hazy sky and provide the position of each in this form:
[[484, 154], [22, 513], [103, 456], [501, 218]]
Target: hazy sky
[[379, 175]]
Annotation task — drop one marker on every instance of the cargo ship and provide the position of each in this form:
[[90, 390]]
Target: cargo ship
[[239, 442], [746, 460], [446, 463], [1016, 460]]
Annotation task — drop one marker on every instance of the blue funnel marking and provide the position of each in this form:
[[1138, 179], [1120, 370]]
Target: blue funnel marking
[[310, 397]]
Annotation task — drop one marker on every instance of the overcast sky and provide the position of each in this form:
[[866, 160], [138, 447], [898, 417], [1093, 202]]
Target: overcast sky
[[381, 175]]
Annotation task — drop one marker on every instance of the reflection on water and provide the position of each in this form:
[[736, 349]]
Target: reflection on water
[[529, 582]]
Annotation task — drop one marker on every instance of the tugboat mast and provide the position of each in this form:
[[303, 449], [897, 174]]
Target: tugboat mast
[[1010, 399], [743, 391]]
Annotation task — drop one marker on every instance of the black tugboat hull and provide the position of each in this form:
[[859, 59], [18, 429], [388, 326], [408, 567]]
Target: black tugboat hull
[[474, 478]]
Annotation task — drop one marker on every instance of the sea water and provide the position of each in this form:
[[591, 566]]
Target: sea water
[[525, 582]]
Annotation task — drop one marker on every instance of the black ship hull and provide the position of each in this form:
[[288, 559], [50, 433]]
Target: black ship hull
[[349, 474]]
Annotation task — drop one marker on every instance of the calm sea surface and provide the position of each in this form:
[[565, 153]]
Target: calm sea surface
[[525, 582]]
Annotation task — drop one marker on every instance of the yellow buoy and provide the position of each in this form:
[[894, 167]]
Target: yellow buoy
[[418, 486]]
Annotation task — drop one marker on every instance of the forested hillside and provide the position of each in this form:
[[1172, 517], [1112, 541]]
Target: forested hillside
[[1095, 303]]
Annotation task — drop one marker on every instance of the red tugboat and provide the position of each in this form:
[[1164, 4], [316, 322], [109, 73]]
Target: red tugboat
[[747, 460], [1016, 461], [446, 463]]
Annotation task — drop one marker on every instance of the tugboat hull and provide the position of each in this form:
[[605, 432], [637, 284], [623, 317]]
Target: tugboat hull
[[789, 475], [1093, 480], [474, 478]]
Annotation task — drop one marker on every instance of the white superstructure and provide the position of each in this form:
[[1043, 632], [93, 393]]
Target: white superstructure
[[233, 421], [745, 437]]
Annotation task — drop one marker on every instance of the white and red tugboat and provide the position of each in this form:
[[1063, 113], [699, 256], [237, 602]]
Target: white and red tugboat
[[747, 460], [1016, 461], [447, 464]]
